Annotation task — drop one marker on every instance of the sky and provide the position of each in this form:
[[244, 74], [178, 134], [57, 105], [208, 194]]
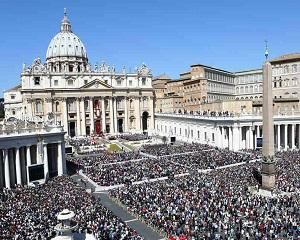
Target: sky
[[166, 35]]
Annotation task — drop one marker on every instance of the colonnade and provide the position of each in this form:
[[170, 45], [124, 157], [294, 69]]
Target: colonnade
[[286, 136], [14, 163]]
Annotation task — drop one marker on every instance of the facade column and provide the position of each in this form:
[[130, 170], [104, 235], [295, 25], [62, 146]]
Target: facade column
[[6, 169], [111, 116], [278, 138], [59, 159], [48, 106], [28, 161], [18, 167], [151, 113], [64, 115], [138, 114], [92, 126], [103, 115], [82, 117], [285, 136], [78, 133], [29, 107], [126, 114], [293, 136], [115, 115], [46, 165]]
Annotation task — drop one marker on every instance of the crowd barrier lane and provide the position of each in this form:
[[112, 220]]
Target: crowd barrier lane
[[137, 216]]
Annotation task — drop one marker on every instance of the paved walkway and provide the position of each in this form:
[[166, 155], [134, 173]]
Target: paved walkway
[[145, 231]]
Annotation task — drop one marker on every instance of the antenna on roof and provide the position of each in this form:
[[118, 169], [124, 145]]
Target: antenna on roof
[[267, 50]]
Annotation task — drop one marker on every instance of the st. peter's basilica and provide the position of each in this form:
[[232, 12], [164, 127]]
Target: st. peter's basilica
[[85, 99]]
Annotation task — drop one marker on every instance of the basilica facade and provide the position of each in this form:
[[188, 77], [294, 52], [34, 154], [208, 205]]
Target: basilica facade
[[85, 99]]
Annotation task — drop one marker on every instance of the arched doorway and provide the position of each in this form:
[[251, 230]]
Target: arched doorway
[[145, 121]]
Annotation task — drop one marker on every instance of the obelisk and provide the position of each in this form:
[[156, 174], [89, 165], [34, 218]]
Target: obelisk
[[268, 163]]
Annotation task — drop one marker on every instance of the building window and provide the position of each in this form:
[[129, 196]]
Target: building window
[[205, 136], [85, 82], [119, 82], [38, 106], [70, 82], [198, 134], [36, 80], [12, 96], [143, 81], [130, 82], [57, 107], [55, 82], [13, 112], [213, 137]]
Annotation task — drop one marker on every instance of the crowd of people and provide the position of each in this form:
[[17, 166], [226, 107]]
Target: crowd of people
[[216, 205], [210, 159], [168, 149], [129, 172], [104, 157], [134, 137], [31, 212], [288, 171]]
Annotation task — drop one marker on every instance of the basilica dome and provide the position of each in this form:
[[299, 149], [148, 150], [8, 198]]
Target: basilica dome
[[66, 43]]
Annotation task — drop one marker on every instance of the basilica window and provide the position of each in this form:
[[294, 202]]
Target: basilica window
[[85, 82], [131, 104], [70, 82], [36, 80], [71, 106], [294, 67], [38, 106], [119, 82], [57, 107], [143, 81], [12, 96], [55, 82], [130, 82]]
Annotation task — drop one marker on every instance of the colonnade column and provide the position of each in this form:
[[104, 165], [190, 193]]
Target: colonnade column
[[6, 169], [219, 136], [1, 169], [285, 137], [18, 166], [298, 136], [28, 161], [111, 116], [125, 115], [59, 159], [82, 111], [278, 137], [46, 165], [250, 138], [92, 121], [236, 138], [293, 136], [230, 138], [103, 115], [78, 133]]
